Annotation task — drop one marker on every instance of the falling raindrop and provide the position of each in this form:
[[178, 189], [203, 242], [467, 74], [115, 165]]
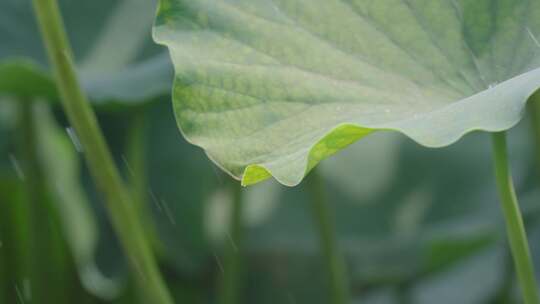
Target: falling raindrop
[[155, 200], [16, 166], [168, 212], [219, 263], [74, 139], [19, 295], [233, 244], [532, 36], [124, 159], [27, 289]]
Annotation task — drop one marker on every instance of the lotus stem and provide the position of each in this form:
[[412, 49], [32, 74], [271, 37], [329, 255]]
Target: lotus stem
[[135, 161], [324, 220], [514, 223], [232, 278], [29, 172], [120, 206], [534, 110]]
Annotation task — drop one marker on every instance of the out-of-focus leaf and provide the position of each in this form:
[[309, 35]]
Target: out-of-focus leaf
[[36, 81], [273, 87], [260, 203], [471, 281], [285, 277], [143, 81], [117, 61], [422, 221], [62, 166], [397, 232], [381, 296]]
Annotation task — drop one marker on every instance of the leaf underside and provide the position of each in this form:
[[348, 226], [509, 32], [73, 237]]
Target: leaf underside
[[271, 87]]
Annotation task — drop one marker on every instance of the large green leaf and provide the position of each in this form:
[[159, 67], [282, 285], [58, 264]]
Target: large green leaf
[[273, 87], [116, 58]]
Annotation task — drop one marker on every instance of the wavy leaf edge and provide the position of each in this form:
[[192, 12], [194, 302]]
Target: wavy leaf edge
[[348, 133]]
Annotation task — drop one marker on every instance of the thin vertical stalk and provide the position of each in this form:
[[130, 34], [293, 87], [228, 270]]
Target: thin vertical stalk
[[404, 293], [4, 276], [34, 195], [44, 235], [136, 167], [15, 216], [123, 215], [534, 110], [135, 157], [514, 222], [16, 244], [504, 290], [231, 279], [324, 220]]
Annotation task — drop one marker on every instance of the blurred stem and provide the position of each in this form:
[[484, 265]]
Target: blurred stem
[[136, 166], [404, 293], [514, 222], [34, 194], [135, 158], [231, 280], [124, 217], [4, 276], [15, 240], [324, 220], [504, 291], [15, 217], [44, 235], [534, 110]]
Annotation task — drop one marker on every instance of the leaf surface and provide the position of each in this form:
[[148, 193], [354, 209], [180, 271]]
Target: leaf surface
[[273, 87]]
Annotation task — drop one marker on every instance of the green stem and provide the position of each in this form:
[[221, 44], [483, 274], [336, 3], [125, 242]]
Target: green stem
[[16, 244], [135, 157], [404, 293], [136, 167], [4, 276], [504, 291], [231, 280], [534, 110], [324, 220], [15, 216], [514, 223], [34, 195], [104, 172]]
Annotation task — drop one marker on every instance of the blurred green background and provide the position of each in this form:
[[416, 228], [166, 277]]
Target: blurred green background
[[416, 225]]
